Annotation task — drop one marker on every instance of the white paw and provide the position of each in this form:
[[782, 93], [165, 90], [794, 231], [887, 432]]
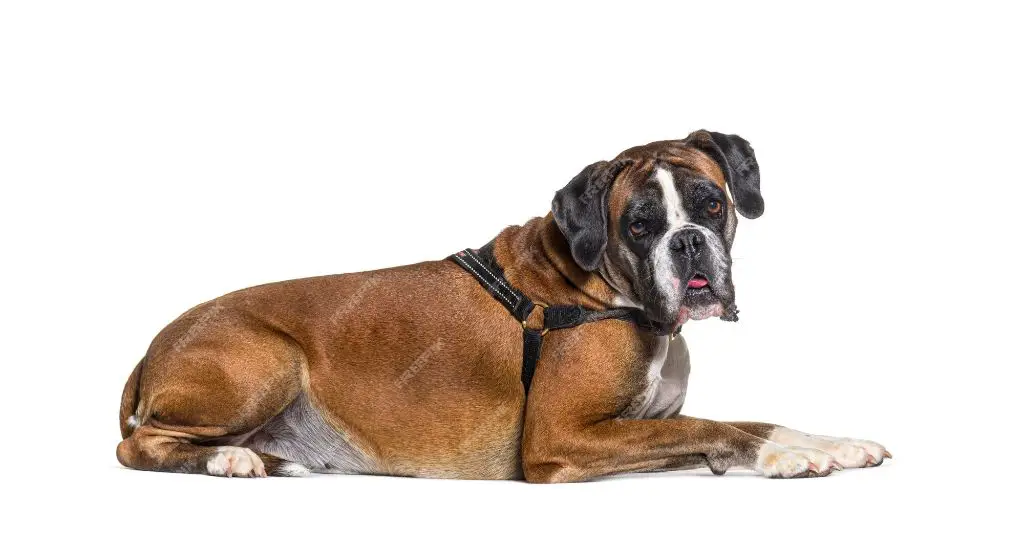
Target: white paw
[[861, 452], [850, 453], [779, 461], [850, 456], [235, 462]]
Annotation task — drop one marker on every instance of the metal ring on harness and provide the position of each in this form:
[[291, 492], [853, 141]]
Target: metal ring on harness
[[545, 330]]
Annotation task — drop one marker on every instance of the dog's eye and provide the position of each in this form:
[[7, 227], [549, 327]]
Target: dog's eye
[[637, 228], [714, 207]]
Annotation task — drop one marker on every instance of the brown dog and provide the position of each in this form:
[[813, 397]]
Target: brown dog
[[416, 370]]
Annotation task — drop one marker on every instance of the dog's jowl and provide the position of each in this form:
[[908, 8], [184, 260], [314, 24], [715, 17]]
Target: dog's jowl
[[551, 353]]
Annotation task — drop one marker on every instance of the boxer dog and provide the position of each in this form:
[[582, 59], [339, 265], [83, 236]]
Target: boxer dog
[[417, 370]]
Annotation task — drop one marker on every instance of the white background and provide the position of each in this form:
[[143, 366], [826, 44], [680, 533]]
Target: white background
[[156, 155]]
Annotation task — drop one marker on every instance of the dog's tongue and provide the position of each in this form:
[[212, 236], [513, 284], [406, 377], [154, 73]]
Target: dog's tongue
[[697, 283]]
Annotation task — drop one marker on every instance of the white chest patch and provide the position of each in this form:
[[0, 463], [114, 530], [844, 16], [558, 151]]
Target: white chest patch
[[667, 376]]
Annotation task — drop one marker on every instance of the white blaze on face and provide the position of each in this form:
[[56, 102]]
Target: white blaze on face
[[675, 216]]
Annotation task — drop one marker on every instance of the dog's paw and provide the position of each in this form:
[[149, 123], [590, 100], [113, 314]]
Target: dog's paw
[[779, 461], [849, 452], [858, 453], [231, 461]]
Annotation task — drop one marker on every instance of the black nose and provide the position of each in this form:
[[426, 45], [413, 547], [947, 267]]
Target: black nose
[[689, 241]]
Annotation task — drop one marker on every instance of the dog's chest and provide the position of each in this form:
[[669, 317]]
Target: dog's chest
[[665, 389]]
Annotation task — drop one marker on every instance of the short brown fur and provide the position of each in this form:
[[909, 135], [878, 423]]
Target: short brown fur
[[419, 368]]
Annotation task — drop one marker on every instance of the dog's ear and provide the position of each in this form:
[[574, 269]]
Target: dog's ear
[[736, 158], [581, 211]]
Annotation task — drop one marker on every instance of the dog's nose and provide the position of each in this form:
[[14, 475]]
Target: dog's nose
[[689, 241]]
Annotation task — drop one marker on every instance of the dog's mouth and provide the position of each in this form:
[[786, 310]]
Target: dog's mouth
[[699, 301], [698, 285], [697, 297]]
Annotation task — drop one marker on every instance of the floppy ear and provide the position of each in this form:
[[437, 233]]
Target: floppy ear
[[736, 158], [581, 211]]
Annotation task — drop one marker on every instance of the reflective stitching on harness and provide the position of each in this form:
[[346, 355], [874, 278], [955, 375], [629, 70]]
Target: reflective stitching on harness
[[508, 293], [489, 284], [519, 299]]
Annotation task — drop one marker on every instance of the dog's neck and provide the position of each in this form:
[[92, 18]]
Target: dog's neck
[[536, 258]]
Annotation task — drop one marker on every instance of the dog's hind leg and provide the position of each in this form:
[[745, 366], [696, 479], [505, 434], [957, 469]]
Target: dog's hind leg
[[200, 391], [152, 447]]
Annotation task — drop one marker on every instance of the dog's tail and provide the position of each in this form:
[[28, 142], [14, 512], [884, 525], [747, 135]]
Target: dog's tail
[[130, 400]]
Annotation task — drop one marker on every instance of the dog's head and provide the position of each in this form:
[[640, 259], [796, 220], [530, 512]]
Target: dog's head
[[658, 221]]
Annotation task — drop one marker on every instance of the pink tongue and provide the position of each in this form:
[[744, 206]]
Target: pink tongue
[[697, 282]]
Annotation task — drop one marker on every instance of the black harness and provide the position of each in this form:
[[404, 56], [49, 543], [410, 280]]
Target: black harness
[[484, 268]]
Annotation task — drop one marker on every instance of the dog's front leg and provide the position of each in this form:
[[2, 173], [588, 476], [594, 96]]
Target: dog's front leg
[[621, 446], [643, 445], [574, 428]]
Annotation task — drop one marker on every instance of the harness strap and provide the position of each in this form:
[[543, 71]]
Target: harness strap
[[519, 305], [489, 274]]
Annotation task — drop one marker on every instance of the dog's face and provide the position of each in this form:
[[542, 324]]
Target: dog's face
[[658, 222]]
